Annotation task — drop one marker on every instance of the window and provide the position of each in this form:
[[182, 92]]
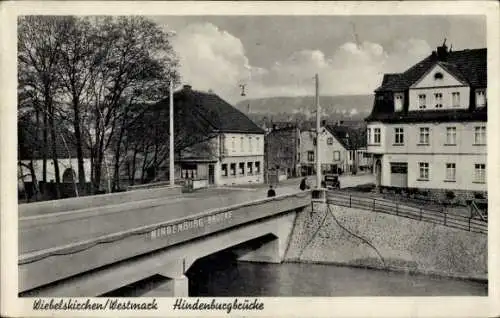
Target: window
[[455, 99], [376, 136], [329, 141], [398, 105], [233, 144], [242, 168], [480, 173], [314, 141], [250, 148], [451, 135], [224, 169], [298, 157], [249, 167], [399, 136], [424, 136], [233, 169], [450, 171], [310, 156], [438, 76], [480, 135], [368, 136], [421, 101], [424, 170], [242, 145], [257, 167], [438, 100], [480, 98], [336, 155]]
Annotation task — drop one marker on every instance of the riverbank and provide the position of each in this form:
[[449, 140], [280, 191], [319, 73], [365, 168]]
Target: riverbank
[[359, 238]]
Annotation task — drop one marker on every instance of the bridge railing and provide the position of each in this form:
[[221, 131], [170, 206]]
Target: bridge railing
[[416, 213]]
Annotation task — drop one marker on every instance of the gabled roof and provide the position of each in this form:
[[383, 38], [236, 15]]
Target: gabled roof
[[213, 110], [468, 65]]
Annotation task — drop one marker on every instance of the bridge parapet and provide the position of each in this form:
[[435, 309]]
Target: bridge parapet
[[43, 267]]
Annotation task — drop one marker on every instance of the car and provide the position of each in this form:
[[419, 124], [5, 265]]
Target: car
[[331, 181]]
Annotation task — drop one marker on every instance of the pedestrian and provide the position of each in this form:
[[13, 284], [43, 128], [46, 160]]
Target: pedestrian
[[271, 192], [303, 184]]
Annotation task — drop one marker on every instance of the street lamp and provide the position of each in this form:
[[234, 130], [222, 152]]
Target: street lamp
[[171, 117]]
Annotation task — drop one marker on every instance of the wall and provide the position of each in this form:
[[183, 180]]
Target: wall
[[404, 244], [464, 172], [253, 144], [246, 178], [63, 165], [428, 86], [282, 148], [437, 139], [327, 151]]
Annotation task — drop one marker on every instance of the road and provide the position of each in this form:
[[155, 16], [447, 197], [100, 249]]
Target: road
[[38, 232]]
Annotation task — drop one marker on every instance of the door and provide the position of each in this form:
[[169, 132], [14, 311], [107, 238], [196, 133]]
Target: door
[[211, 174], [399, 174]]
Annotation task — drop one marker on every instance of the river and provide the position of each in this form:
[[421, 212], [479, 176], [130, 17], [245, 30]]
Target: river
[[223, 276]]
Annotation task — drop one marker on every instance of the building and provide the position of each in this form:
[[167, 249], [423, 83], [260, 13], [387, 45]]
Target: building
[[427, 129], [30, 161], [282, 151], [231, 150]]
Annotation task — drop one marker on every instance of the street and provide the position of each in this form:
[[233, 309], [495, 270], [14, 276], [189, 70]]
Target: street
[[49, 230]]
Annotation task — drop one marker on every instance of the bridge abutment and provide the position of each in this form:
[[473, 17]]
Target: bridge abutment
[[170, 287]]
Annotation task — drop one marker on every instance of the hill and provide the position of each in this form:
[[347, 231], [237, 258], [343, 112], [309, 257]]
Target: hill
[[345, 106]]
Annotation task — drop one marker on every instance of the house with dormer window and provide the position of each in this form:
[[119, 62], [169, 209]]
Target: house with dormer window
[[427, 128]]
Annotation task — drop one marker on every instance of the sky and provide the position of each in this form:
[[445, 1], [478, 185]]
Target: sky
[[279, 55]]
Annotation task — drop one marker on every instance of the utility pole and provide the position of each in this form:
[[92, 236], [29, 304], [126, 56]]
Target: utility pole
[[171, 148], [318, 118]]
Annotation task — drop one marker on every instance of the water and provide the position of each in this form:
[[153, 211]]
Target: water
[[222, 276]]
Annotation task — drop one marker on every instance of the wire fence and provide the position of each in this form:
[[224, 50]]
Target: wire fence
[[416, 213]]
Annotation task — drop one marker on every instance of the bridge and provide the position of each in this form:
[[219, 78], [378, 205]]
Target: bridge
[[91, 247]]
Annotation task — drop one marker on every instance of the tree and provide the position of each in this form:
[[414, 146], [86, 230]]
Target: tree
[[39, 42]]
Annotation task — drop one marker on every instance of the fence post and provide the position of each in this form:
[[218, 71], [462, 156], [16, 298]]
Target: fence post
[[420, 214], [469, 223], [445, 218], [373, 204], [397, 209], [350, 200]]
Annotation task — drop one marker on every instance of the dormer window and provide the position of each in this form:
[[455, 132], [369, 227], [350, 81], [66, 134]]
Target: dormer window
[[438, 100], [438, 76], [398, 102], [480, 98]]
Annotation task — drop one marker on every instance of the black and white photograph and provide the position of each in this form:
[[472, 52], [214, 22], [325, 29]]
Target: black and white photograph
[[206, 157]]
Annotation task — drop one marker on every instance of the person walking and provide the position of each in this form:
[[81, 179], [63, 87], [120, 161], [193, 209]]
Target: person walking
[[303, 184], [271, 192]]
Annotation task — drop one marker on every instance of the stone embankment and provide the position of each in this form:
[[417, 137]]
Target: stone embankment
[[355, 237]]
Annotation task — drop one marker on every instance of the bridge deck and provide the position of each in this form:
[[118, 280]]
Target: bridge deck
[[38, 232]]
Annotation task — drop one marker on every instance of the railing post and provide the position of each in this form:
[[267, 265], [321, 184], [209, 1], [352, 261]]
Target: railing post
[[374, 205], [350, 200], [397, 209], [420, 214], [445, 218], [469, 223]]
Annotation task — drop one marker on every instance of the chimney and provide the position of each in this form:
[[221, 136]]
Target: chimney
[[442, 51], [187, 87]]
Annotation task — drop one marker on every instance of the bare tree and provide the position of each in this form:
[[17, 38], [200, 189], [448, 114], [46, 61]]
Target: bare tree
[[38, 48]]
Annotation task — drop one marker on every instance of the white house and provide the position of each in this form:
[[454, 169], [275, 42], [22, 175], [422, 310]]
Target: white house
[[234, 153], [428, 130]]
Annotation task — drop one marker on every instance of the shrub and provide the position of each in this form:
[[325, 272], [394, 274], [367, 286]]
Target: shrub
[[479, 196], [450, 195]]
